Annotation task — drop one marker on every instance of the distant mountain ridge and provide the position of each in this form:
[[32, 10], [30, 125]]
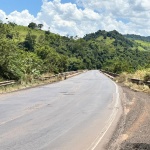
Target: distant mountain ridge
[[137, 37]]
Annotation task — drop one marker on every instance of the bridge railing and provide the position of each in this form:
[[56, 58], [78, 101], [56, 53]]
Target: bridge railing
[[56, 76], [5, 83], [137, 81]]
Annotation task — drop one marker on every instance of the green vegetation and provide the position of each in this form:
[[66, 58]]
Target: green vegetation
[[118, 54], [137, 37], [143, 74], [28, 52], [142, 42], [143, 45]]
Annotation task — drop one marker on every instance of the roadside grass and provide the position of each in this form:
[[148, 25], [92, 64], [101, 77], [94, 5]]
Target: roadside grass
[[140, 74], [136, 87], [24, 84]]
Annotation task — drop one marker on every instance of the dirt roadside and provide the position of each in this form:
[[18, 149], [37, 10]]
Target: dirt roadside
[[133, 130]]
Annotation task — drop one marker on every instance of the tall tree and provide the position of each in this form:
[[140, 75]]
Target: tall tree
[[40, 26], [32, 25], [29, 42]]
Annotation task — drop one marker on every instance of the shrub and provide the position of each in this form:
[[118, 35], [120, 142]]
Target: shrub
[[147, 77]]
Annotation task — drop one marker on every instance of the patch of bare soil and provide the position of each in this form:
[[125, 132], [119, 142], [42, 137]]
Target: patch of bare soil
[[133, 131]]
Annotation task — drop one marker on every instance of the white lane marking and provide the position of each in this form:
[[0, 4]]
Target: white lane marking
[[108, 124]]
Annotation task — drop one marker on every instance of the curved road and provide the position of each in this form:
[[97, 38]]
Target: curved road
[[75, 114]]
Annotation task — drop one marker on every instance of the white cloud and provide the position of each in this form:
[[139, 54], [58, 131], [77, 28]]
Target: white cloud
[[67, 18], [126, 16], [135, 12], [2, 16], [22, 18]]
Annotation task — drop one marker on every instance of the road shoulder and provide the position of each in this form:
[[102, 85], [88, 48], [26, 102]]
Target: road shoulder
[[133, 130]]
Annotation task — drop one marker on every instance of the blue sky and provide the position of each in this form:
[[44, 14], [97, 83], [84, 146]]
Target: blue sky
[[68, 1], [9, 6], [34, 6], [87, 16]]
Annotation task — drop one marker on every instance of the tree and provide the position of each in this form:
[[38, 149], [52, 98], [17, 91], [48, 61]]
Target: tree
[[29, 42], [12, 24], [40, 26], [75, 64], [9, 60], [32, 25]]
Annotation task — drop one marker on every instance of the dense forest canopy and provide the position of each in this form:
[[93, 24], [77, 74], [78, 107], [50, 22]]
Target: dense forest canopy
[[28, 52]]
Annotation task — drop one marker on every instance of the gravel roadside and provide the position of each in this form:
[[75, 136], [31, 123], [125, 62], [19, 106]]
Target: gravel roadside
[[133, 131]]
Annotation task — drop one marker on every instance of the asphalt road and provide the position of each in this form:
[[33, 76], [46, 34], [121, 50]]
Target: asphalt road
[[74, 114]]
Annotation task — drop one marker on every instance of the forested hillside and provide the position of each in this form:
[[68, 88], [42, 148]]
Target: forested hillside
[[117, 53], [26, 52], [142, 42], [137, 37]]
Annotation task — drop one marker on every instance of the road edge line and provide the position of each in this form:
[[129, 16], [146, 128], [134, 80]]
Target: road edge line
[[111, 118]]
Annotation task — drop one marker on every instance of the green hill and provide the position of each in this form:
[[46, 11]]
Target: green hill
[[142, 42], [118, 38], [27, 53], [137, 37], [142, 45]]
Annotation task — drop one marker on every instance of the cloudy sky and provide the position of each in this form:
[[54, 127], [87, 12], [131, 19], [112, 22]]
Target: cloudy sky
[[79, 17]]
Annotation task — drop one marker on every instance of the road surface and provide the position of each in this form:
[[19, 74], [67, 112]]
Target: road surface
[[74, 114]]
